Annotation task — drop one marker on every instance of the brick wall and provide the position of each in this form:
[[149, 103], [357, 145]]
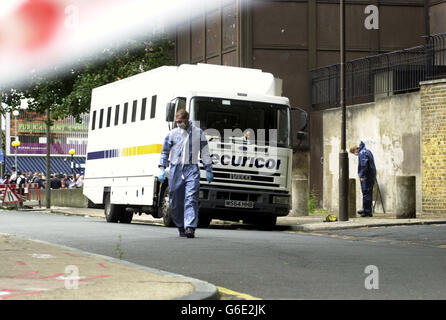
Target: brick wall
[[433, 145]]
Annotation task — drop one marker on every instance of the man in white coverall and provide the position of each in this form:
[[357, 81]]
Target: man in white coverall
[[183, 144]]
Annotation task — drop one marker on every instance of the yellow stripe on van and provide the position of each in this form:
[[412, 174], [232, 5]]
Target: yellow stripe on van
[[151, 148], [141, 150]]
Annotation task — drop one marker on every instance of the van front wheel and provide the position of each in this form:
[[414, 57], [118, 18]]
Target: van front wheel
[[165, 208], [266, 222], [204, 220]]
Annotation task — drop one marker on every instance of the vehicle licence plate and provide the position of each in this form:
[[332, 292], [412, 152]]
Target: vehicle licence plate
[[239, 204]]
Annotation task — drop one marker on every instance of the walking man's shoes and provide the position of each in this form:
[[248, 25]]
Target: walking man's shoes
[[182, 232], [190, 232], [365, 215], [360, 212]]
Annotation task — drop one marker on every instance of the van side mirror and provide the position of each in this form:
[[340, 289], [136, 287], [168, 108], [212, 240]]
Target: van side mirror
[[303, 119], [302, 139], [170, 112], [301, 135]]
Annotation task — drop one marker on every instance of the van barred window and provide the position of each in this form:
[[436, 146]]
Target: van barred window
[[93, 122], [124, 118], [135, 103], [143, 109], [117, 115], [153, 110], [109, 120], [101, 118], [109, 111]]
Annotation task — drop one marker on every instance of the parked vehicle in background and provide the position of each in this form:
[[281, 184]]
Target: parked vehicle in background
[[248, 127]]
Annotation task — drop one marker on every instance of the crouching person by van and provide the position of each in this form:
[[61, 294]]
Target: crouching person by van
[[183, 145]]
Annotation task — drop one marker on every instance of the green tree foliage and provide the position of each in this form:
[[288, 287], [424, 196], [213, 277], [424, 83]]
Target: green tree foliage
[[69, 92]]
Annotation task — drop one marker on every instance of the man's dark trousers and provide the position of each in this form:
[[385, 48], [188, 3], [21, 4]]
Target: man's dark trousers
[[367, 194]]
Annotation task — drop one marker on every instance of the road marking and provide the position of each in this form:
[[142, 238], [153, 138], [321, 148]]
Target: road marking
[[20, 295], [4, 292], [42, 256], [242, 296], [70, 254], [37, 289], [97, 277], [49, 277], [25, 274]]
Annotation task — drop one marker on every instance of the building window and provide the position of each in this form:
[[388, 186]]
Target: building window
[[117, 115], [109, 111], [229, 26], [124, 117], [93, 122], [197, 27], [153, 109], [143, 109], [101, 118], [135, 103], [212, 33]]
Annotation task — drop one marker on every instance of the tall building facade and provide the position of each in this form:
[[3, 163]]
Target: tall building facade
[[436, 16]]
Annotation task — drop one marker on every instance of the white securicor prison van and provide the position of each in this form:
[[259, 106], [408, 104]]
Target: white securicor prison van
[[248, 128]]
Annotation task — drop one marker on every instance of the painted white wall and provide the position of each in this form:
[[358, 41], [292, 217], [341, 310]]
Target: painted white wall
[[390, 127]]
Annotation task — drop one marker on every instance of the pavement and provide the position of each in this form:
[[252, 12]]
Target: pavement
[[37, 270], [310, 223]]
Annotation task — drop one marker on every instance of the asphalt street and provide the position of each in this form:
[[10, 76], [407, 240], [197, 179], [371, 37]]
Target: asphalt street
[[406, 262]]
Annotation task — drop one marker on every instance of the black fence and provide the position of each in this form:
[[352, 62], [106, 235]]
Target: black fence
[[380, 75]]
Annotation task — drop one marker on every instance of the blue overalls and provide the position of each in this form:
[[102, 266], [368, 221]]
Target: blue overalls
[[367, 176], [184, 177]]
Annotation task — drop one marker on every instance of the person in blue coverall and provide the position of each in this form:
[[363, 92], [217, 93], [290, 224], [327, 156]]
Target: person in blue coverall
[[183, 144], [367, 177]]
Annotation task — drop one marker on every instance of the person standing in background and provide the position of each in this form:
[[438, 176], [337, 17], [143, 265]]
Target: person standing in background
[[367, 177]]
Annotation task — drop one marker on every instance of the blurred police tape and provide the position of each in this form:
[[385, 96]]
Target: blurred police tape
[[39, 34]]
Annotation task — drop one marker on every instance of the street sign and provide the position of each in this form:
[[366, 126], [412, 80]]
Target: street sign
[[9, 194]]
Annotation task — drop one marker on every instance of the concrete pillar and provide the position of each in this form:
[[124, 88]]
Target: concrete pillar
[[352, 198], [300, 195], [405, 197]]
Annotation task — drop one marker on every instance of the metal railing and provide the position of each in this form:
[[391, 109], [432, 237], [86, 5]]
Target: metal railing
[[384, 74]]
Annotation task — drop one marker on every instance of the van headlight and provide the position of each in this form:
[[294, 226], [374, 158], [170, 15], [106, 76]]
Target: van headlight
[[281, 200]]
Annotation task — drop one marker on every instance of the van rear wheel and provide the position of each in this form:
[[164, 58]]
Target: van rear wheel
[[112, 211]]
